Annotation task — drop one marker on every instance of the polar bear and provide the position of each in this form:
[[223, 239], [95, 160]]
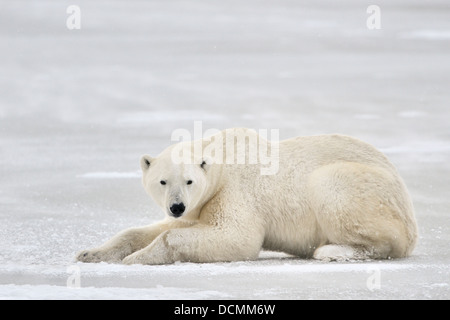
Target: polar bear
[[333, 198]]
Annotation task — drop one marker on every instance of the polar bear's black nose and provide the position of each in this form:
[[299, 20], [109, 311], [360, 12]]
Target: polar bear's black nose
[[177, 209]]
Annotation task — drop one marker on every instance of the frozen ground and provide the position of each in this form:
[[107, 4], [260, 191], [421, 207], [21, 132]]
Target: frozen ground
[[78, 108]]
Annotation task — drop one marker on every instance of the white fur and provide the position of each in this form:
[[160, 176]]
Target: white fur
[[333, 198]]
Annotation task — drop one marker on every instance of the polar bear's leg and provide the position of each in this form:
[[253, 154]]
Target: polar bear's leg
[[118, 247], [333, 252], [127, 242], [201, 244], [362, 211]]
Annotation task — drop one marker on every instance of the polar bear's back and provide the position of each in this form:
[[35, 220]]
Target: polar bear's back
[[309, 153]]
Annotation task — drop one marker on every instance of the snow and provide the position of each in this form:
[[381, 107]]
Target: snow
[[79, 107]]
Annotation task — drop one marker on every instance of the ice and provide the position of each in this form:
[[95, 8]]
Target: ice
[[367, 116], [40, 292], [412, 114], [79, 107], [436, 35], [111, 175]]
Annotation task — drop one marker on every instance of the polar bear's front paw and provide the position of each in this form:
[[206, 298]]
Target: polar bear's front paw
[[132, 259], [146, 257], [97, 255], [88, 256], [156, 253]]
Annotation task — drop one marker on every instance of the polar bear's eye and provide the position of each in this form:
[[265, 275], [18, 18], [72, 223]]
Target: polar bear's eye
[[189, 182], [163, 182]]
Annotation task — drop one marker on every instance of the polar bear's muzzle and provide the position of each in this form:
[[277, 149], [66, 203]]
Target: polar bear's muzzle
[[177, 209]]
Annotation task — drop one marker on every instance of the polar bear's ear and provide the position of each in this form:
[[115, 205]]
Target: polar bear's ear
[[146, 162], [206, 162]]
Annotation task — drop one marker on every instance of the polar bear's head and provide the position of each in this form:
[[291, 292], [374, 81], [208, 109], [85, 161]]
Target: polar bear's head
[[180, 189]]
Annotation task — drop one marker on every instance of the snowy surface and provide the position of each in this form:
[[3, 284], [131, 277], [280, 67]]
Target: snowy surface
[[79, 107]]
